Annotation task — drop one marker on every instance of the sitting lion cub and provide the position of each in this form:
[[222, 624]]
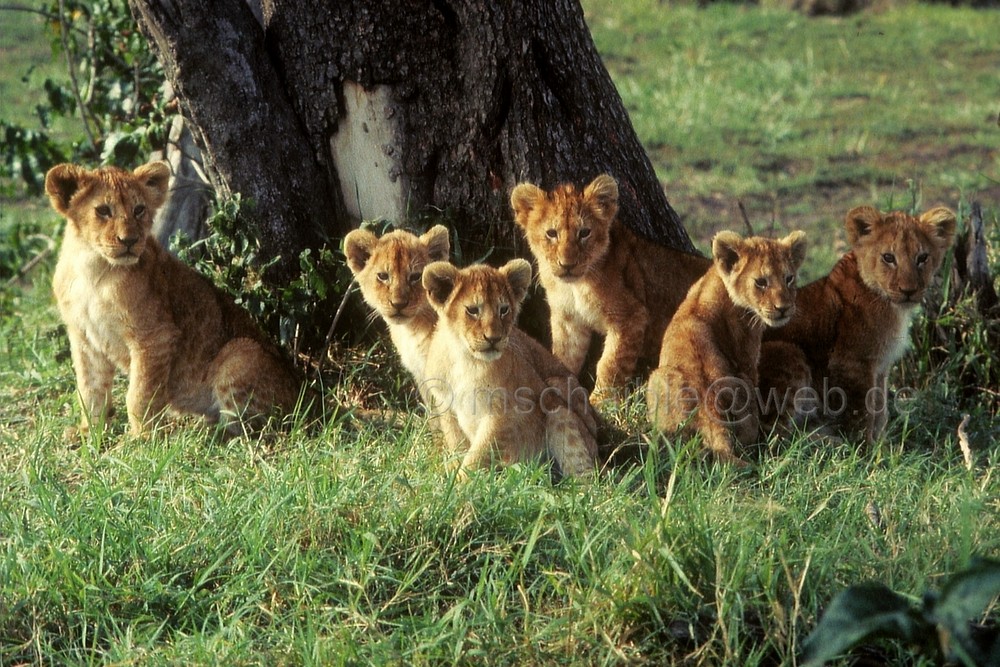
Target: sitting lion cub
[[853, 325], [708, 364], [389, 271], [496, 389], [601, 278], [130, 305]]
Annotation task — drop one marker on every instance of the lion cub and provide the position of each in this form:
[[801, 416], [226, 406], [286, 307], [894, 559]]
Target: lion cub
[[708, 364], [389, 270], [851, 326], [601, 278], [497, 390], [130, 305]]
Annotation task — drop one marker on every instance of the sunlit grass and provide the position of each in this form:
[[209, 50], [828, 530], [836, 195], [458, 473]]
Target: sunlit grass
[[355, 545], [736, 102]]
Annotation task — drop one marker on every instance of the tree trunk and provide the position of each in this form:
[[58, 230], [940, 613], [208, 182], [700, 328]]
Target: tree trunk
[[189, 204], [358, 109], [972, 268], [214, 57]]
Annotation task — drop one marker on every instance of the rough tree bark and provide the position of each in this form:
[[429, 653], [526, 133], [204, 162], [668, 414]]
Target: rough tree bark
[[214, 57], [349, 109], [972, 268], [190, 202]]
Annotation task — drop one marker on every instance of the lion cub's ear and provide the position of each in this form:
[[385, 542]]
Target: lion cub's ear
[[358, 247], [940, 223], [859, 222], [155, 177], [61, 183], [518, 275], [439, 280], [437, 243], [796, 243], [726, 249], [602, 197], [523, 199]]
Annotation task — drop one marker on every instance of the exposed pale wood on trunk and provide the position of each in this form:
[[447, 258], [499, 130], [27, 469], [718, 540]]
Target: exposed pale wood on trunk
[[479, 95]]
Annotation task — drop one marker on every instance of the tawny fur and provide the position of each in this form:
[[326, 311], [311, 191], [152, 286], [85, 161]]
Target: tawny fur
[[601, 278], [130, 305], [851, 326], [708, 362], [388, 271], [500, 395]]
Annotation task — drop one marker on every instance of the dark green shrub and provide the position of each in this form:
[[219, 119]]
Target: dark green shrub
[[942, 624]]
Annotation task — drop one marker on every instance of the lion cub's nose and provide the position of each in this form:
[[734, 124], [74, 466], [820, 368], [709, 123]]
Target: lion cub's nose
[[908, 293], [782, 310], [567, 266], [493, 340], [128, 241], [399, 305]]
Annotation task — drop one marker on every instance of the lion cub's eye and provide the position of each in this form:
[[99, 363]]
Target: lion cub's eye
[[382, 276], [504, 310], [104, 211], [415, 277], [583, 233], [761, 283], [552, 234], [888, 258], [790, 279], [922, 258], [139, 210], [472, 311]]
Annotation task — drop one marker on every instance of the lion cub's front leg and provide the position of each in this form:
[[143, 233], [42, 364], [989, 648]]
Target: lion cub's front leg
[[570, 340], [446, 427], [877, 405], [729, 416], [147, 399], [858, 384], [785, 385], [481, 446], [94, 376], [622, 348], [719, 410]]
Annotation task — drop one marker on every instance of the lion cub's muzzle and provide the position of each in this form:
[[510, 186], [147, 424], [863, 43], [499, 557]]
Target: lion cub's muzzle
[[489, 348], [126, 252], [907, 296], [568, 272], [779, 316], [399, 311], [123, 244]]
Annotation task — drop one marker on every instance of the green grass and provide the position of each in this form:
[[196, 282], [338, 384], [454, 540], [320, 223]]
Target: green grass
[[803, 118], [356, 546]]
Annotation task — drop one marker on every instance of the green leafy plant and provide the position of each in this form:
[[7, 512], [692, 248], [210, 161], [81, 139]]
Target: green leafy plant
[[939, 624], [235, 261], [27, 154], [955, 338], [19, 246], [112, 92]]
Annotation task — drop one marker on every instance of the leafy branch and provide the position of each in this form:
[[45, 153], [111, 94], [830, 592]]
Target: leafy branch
[[112, 87], [940, 624], [85, 113]]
